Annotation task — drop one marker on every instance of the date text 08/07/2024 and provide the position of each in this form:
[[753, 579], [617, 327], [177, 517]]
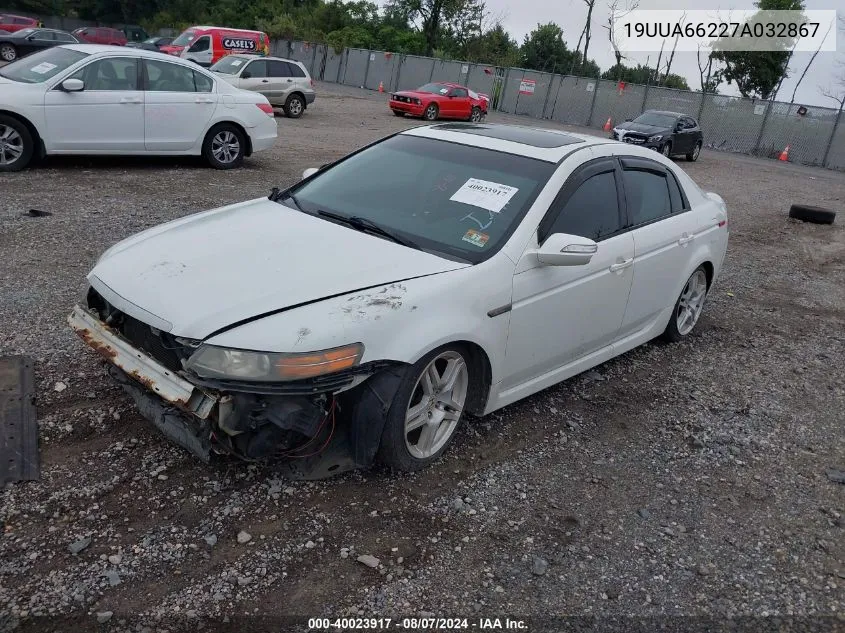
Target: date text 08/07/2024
[[416, 624]]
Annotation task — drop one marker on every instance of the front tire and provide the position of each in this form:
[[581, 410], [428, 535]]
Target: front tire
[[294, 107], [693, 155], [431, 112], [666, 150], [688, 307], [8, 53], [16, 144], [224, 146], [426, 410]]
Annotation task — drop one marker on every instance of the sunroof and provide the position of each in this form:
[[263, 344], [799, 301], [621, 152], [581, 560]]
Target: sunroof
[[517, 134]]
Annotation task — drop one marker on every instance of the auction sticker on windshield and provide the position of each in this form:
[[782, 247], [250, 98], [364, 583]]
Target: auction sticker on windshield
[[43, 68], [485, 194]]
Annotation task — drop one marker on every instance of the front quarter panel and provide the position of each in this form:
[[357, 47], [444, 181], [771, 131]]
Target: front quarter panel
[[401, 321]]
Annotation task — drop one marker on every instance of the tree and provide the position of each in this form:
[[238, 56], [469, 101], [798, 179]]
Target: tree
[[642, 74], [617, 14], [587, 30], [432, 15], [493, 47], [709, 83], [544, 49], [757, 74]]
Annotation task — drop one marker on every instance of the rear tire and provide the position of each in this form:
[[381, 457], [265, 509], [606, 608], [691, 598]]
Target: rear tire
[[224, 146], [294, 107], [693, 155], [431, 402], [16, 144], [688, 307], [476, 115], [431, 112], [8, 53]]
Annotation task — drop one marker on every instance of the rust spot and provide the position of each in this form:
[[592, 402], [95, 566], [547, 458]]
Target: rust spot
[[101, 348]]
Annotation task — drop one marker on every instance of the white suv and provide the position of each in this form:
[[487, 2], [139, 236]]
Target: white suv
[[285, 82]]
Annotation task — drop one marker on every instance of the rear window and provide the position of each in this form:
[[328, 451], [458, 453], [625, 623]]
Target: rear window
[[41, 66]]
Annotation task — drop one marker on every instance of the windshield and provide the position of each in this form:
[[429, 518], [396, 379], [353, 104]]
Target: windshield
[[186, 38], [39, 67], [656, 119], [438, 89], [229, 65], [455, 200], [151, 40]]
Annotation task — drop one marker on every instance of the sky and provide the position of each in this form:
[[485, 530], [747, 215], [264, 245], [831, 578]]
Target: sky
[[521, 18]]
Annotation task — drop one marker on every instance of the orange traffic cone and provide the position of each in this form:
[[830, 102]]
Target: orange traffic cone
[[608, 125], [784, 155], [381, 86]]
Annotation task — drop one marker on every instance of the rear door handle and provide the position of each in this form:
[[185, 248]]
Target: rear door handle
[[615, 268], [204, 100], [686, 239], [131, 100]]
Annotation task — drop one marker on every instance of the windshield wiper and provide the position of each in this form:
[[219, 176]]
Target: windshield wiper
[[363, 224], [276, 195]]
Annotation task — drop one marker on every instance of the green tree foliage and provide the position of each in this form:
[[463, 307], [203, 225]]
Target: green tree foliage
[[757, 74], [544, 49], [641, 74]]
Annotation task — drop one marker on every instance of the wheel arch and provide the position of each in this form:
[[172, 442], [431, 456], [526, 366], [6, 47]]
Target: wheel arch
[[33, 130]]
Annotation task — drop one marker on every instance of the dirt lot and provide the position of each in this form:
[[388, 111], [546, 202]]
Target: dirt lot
[[682, 480]]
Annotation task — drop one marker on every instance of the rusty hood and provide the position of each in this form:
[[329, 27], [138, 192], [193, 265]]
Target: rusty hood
[[200, 274]]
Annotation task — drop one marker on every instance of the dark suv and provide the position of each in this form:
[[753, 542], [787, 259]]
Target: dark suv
[[670, 133]]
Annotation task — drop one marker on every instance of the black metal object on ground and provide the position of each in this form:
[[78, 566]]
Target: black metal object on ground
[[18, 426]]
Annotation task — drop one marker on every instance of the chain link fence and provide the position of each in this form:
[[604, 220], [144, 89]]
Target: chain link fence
[[814, 135]]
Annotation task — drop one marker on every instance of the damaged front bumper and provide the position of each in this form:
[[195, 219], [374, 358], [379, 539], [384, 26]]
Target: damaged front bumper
[[208, 418]]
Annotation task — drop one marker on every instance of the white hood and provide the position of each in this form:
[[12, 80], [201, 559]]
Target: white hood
[[208, 271]]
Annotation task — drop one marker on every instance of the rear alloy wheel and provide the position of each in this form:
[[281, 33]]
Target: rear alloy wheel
[[224, 147], [426, 410], [688, 307], [16, 144], [294, 107], [666, 150], [693, 155], [8, 53], [431, 112], [476, 115]]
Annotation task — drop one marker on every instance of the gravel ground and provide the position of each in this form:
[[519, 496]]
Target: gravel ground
[[679, 480]]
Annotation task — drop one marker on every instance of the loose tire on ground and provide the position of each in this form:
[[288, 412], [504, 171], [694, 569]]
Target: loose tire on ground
[[16, 144], [294, 107], [224, 134], [436, 407], [816, 215]]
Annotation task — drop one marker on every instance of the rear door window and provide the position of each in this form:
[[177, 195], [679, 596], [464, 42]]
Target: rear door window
[[278, 68], [256, 69]]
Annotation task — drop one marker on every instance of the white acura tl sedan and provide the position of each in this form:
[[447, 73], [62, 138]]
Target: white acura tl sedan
[[361, 313], [87, 99]]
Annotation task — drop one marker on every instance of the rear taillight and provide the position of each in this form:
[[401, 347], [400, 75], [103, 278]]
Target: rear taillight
[[312, 83], [266, 108]]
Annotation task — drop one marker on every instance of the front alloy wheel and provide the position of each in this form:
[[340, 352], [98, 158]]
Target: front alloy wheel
[[426, 409], [16, 144], [666, 150]]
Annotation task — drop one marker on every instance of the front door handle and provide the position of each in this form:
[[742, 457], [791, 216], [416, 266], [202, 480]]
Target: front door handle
[[265, 81], [615, 268], [290, 81], [686, 239], [204, 100], [131, 100]]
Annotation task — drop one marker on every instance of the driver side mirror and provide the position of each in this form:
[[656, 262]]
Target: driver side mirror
[[561, 249], [73, 85]]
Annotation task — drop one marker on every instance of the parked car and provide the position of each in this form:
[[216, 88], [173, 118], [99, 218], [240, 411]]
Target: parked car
[[440, 101], [134, 33], [205, 45], [22, 43], [13, 23], [670, 133], [89, 99], [152, 43], [100, 35], [445, 270], [285, 82]]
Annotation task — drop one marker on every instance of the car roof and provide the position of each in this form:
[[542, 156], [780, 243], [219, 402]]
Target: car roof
[[100, 49], [532, 142], [666, 112]]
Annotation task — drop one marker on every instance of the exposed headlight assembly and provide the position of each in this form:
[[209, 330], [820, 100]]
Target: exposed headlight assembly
[[655, 138], [210, 361]]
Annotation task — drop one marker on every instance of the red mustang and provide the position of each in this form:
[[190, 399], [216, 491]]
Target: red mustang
[[440, 101]]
